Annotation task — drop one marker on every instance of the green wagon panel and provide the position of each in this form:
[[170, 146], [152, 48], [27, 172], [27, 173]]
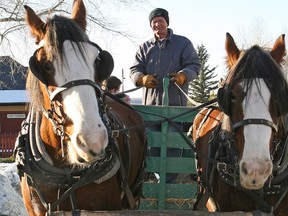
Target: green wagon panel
[[174, 165], [174, 140]]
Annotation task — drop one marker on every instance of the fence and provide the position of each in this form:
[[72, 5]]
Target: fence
[[7, 142]]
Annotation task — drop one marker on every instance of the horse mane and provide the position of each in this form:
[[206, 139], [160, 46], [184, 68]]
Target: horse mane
[[58, 29], [226, 125], [257, 63]]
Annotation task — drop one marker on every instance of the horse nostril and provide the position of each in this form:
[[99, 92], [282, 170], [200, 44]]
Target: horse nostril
[[80, 142], [92, 153]]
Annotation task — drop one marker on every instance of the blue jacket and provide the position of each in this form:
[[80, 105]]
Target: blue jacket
[[174, 54]]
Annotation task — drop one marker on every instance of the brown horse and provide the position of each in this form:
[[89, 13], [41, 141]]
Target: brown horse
[[242, 148], [72, 152]]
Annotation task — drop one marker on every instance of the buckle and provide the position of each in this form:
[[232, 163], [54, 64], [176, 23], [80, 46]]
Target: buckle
[[114, 133], [222, 166]]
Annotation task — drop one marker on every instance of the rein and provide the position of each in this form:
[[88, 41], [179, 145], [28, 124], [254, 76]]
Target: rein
[[116, 133], [226, 168]]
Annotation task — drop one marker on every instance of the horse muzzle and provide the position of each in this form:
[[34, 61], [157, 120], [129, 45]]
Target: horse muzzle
[[254, 173]]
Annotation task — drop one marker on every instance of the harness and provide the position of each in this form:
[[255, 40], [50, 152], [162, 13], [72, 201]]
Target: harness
[[35, 164], [222, 148]]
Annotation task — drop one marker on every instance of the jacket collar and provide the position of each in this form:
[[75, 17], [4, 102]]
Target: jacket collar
[[169, 37]]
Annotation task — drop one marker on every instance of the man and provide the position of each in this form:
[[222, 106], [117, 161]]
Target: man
[[164, 55]]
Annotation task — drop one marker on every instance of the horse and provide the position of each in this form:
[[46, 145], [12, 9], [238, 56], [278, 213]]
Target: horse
[[72, 152], [241, 144]]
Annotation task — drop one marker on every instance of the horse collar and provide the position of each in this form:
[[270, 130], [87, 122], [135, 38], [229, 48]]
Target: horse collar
[[32, 160]]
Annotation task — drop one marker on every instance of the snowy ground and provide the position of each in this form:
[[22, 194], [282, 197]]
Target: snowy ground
[[11, 203]]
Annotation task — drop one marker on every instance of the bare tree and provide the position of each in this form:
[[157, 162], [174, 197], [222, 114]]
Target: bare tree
[[258, 34], [14, 39]]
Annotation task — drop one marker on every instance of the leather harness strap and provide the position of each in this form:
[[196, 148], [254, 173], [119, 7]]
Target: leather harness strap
[[255, 121]]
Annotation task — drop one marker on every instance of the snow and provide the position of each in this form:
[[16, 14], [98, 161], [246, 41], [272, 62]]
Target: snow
[[11, 203]]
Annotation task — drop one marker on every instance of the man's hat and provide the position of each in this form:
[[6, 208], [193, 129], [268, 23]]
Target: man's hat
[[159, 12]]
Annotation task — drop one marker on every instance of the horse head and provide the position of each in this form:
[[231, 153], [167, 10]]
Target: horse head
[[63, 83], [252, 97]]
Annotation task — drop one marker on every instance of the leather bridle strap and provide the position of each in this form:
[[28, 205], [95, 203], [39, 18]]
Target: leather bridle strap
[[68, 85], [255, 121]]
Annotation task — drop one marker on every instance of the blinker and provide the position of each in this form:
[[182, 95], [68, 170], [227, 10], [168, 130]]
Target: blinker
[[104, 63], [223, 101], [36, 68]]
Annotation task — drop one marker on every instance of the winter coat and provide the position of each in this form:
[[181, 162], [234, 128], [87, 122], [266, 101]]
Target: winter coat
[[175, 53]]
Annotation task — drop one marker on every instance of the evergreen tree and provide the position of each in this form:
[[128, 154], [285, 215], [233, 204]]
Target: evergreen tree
[[202, 89]]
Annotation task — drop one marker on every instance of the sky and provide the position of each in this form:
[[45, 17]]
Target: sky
[[203, 22]]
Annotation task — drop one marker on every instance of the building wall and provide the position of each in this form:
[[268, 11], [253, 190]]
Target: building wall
[[11, 118]]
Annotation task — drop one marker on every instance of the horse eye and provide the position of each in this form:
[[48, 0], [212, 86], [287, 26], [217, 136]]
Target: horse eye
[[48, 68]]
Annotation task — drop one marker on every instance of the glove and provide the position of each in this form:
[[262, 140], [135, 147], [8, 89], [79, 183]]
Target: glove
[[179, 78], [149, 81]]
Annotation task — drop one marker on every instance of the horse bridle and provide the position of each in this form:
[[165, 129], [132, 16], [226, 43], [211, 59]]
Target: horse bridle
[[255, 121], [73, 83], [55, 114], [258, 121]]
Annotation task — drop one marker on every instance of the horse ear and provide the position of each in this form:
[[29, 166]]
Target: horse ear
[[104, 65], [225, 106], [232, 50], [279, 50], [37, 26], [79, 14]]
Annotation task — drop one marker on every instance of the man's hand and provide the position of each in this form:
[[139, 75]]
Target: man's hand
[[179, 78], [149, 81]]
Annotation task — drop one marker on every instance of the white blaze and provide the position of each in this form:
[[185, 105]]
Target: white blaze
[[256, 165], [257, 136], [80, 102]]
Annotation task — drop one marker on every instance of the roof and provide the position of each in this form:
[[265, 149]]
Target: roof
[[12, 74], [13, 96]]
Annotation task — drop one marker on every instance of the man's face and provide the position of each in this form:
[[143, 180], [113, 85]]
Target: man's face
[[159, 27]]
